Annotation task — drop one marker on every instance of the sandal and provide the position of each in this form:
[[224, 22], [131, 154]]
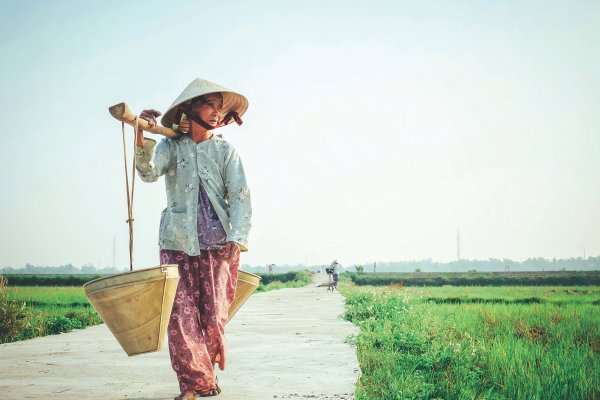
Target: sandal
[[211, 392], [182, 396]]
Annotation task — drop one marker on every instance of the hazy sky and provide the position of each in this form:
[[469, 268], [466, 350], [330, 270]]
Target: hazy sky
[[375, 130]]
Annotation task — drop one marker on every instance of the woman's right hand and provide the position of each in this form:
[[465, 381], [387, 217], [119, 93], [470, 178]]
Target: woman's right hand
[[184, 125], [149, 116]]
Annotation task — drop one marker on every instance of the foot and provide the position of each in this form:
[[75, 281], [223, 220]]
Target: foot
[[212, 392], [189, 395]]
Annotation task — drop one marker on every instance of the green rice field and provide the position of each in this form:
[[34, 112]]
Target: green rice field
[[33, 311], [49, 296], [456, 342]]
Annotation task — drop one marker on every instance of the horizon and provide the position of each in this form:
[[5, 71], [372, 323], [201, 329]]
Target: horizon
[[380, 263]]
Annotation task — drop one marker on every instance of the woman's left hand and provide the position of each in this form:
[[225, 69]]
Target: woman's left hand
[[232, 250]]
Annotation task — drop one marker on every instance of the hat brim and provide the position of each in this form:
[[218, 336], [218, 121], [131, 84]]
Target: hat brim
[[232, 101]]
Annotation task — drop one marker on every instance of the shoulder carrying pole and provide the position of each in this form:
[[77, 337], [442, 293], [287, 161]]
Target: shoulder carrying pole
[[123, 113]]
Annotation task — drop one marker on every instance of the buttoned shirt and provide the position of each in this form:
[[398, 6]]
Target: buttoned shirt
[[186, 165]]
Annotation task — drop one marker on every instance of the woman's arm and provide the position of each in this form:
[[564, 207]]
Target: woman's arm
[[152, 160], [238, 195]]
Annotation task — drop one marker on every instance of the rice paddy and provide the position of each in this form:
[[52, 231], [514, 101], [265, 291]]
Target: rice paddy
[[476, 342]]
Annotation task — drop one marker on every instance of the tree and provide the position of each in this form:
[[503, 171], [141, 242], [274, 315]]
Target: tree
[[88, 269]]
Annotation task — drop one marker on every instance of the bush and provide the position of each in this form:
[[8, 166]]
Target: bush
[[58, 324], [287, 280], [86, 317], [13, 316], [285, 277]]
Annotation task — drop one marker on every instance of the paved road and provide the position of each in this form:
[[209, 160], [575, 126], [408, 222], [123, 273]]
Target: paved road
[[284, 344]]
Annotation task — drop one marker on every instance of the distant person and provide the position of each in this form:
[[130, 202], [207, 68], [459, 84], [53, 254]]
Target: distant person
[[336, 273]]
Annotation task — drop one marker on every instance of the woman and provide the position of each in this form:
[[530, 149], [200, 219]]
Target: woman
[[204, 227]]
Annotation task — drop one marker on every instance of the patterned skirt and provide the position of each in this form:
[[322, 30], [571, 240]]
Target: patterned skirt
[[197, 326]]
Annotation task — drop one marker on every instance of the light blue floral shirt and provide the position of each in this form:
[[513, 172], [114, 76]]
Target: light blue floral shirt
[[216, 166]]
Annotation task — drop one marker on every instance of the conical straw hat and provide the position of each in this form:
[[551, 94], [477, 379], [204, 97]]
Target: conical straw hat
[[232, 101]]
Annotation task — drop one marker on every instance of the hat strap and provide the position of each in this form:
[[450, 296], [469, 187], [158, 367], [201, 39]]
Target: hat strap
[[200, 122], [187, 110], [230, 115]]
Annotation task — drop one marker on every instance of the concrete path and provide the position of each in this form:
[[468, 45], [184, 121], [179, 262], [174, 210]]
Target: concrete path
[[284, 344]]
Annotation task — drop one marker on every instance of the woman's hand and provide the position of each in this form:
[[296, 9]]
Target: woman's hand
[[231, 251], [184, 126], [150, 117]]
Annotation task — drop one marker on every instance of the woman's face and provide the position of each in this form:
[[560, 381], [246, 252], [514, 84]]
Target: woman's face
[[209, 109]]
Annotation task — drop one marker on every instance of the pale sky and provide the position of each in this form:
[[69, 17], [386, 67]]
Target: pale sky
[[375, 129]]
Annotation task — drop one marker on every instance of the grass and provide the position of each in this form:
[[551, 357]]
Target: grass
[[286, 280], [46, 311], [413, 346], [67, 295]]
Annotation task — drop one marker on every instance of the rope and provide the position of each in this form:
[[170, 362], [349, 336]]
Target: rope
[[130, 194]]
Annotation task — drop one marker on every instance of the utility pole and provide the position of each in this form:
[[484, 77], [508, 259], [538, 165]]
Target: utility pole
[[114, 253], [375, 266], [458, 245]]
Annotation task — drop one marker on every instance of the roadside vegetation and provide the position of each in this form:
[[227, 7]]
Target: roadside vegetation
[[30, 311], [292, 279], [476, 342]]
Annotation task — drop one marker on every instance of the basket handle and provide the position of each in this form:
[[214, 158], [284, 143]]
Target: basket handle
[[130, 192]]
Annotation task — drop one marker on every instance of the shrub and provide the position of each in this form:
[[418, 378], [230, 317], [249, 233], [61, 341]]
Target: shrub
[[13, 316], [58, 324], [285, 277], [287, 280]]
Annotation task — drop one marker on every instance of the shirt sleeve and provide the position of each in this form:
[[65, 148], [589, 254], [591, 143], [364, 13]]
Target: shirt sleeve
[[238, 196], [152, 160]]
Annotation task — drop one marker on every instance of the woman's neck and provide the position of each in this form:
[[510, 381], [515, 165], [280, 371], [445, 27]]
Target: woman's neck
[[198, 133]]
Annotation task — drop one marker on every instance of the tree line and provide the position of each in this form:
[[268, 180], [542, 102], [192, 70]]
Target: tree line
[[427, 265], [489, 265], [68, 269]]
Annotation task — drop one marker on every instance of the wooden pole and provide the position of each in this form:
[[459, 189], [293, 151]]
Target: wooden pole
[[123, 113]]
